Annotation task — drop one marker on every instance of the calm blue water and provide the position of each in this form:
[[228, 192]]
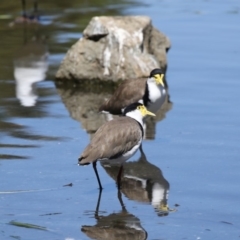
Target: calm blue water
[[196, 146]]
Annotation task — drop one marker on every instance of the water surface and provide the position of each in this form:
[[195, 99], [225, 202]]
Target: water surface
[[192, 160]]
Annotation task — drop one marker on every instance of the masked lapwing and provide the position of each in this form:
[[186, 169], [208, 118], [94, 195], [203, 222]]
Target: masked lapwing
[[116, 140], [151, 92]]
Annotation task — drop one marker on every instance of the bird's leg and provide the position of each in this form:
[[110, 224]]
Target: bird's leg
[[119, 176], [96, 172], [35, 6], [121, 201], [98, 203], [141, 149], [35, 9], [24, 15], [143, 156]]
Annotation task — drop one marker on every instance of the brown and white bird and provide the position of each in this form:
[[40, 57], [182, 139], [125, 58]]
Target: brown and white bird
[[151, 92], [116, 140]]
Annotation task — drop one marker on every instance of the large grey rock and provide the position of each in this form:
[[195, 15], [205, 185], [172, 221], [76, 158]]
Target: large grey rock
[[114, 48]]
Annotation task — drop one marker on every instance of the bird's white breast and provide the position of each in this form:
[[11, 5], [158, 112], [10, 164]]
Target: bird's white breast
[[124, 157], [157, 95], [131, 152]]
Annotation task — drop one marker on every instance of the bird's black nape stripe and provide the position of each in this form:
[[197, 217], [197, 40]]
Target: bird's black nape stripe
[[149, 187], [146, 99], [140, 127], [131, 107], [155, 71]]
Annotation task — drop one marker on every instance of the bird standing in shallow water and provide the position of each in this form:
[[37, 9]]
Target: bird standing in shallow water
[[151, 92], [116, 140], [26, 18]]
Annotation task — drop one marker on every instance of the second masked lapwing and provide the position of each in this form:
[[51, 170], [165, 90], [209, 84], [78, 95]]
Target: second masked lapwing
[[151, 92]]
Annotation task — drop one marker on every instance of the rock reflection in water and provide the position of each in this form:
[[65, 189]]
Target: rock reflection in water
[[83, 99], [121, 225], [30, 67], [143, 182]]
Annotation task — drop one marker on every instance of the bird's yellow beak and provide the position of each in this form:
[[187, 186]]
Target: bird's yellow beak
[[145, 112], [159, 79], [149, 113]]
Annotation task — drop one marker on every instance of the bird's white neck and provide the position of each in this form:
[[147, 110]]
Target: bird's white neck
[[153, 91], [136, 115]]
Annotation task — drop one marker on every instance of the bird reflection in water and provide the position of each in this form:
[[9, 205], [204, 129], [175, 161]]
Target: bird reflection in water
[[143, 182], [30, 67], [121, 225], [27, 18]]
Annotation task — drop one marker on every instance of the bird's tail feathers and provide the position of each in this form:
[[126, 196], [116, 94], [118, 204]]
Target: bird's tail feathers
[[83, 161]]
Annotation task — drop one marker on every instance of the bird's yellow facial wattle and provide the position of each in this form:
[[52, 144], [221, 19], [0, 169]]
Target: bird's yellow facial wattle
[[144, 111], [159, 79]]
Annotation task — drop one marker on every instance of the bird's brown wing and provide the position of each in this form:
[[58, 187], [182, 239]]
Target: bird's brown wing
[[128, 92], [111, 139]]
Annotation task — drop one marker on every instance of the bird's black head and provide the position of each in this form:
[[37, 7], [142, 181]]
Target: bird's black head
[[137, 110], [155, 71], [131, 107]]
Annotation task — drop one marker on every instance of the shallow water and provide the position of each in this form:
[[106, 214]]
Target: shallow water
[[194, 154]]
